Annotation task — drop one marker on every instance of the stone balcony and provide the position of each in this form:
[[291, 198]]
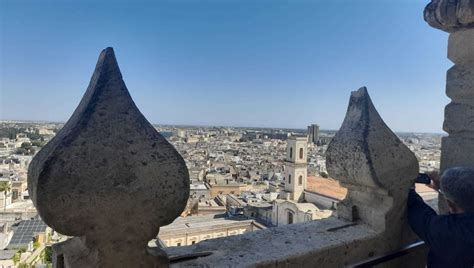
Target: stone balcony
[[85, 182]]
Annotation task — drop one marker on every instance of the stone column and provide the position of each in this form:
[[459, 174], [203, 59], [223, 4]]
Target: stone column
[[457, 18], [108, 178]]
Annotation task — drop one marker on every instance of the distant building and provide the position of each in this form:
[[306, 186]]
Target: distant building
[[289, 212], [27, 232], [199, 191], [296, 168], [180, 133], [292, 205], [313, 133], [192, 230], [229, 187]]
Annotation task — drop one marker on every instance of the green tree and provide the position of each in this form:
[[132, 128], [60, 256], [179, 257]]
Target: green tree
[[37, 143], [34, 136], [48, 255], [26, 145], [324, 175], [16, 257], [4, 186]]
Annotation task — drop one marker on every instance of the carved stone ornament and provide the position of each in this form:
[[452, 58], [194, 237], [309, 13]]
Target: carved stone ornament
[[372, 162], [108, 178]]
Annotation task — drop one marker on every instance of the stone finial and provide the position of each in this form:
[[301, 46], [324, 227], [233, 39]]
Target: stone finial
[[108, 177], [450, 15], [375, 166]]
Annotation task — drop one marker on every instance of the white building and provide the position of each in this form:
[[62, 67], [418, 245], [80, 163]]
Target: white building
[[296, 168], [292, 207]]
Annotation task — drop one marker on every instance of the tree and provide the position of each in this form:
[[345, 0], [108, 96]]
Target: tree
[[324, 175], [37, 143], [16, 257], [4, 186], [26, 145], [21, 151], [48, 255]]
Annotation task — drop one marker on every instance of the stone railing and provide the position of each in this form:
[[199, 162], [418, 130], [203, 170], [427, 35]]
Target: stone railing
[[111, 181]]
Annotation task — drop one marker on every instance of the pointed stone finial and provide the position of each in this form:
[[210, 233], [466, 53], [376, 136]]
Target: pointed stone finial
[[108, 177], [375, 166]]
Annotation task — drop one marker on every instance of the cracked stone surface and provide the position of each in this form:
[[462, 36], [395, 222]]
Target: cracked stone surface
[[108, 176]]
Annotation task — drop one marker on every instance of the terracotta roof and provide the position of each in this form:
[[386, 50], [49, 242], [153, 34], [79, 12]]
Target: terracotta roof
[[331, 187], [326, 186]]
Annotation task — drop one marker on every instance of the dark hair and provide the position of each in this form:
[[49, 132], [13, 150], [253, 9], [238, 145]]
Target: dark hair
[[457, 184]]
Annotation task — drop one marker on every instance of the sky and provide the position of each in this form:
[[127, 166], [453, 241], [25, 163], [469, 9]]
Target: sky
[[259, 63]]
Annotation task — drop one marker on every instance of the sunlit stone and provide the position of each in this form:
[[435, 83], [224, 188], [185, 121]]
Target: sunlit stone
[[108, 177]]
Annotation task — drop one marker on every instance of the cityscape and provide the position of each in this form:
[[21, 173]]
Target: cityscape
[[272, 134], [241, 180]]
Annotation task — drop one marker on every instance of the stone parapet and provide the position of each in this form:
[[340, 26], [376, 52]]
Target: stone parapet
[[375, 166], [329, 242]]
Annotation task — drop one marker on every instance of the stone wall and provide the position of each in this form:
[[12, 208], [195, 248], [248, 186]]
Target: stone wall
[[457, 18]]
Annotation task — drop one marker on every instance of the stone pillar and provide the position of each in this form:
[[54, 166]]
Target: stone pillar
[[457, 18], [376, 167], [108, 178]]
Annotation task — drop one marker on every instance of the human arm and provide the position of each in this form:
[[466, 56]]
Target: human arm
[[420, 216]]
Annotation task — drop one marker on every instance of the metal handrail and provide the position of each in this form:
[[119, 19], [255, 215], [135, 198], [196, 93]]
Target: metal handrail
[[390, 256]]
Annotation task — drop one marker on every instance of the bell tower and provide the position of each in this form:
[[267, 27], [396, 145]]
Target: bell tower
[[296, 171]]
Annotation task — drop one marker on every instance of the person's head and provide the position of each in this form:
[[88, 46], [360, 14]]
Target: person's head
[[457, 185]]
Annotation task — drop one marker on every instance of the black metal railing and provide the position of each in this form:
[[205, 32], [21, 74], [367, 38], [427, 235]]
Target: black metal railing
[[390, 256]]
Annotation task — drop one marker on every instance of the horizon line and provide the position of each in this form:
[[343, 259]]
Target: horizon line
[[220, 126]]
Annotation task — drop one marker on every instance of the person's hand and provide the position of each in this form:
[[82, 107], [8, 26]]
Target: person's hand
[[434, 176]]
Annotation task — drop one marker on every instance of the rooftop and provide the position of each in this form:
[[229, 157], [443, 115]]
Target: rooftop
[[326, 186]]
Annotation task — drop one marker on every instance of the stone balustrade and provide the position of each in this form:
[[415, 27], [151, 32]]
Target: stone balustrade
[[111, 181]]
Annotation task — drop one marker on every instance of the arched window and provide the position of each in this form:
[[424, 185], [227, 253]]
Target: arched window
[[300, 180], [301, 153], [291, 152], [289, 179]]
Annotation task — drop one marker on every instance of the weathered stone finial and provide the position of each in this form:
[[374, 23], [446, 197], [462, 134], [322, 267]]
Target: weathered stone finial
[[375, 166], [108, 177], [450, 15]]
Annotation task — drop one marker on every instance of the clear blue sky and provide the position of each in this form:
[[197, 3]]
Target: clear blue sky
[[239, 63]]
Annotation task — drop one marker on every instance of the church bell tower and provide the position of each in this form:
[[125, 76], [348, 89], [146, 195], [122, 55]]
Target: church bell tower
[[296, 167]]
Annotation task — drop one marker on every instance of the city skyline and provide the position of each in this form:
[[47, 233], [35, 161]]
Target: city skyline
[[239, 64]]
